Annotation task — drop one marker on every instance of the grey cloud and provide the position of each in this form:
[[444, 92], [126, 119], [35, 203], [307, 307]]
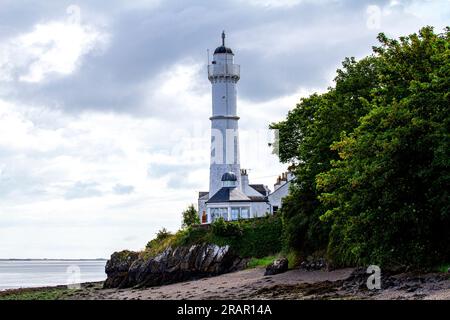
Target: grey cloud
[[148, 41], [178, 182], [159, 170], [83, 190], [123, 189]]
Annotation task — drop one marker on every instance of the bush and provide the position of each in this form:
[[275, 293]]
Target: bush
[[221, 228], [190, 217], [257, 238]]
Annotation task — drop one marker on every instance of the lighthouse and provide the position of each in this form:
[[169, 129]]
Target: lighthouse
[[224, 75], [230, 194]]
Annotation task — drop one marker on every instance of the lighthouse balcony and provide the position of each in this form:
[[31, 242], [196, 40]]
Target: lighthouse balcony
[[224, 71]]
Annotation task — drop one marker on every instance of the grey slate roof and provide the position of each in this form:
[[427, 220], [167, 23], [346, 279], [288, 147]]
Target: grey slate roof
[[228, 194], [258, 199], [260, 188], [203, 194], [233, 194]]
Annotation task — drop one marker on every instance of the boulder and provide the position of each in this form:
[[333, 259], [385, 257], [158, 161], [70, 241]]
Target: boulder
[[277, 266], [173, 265]]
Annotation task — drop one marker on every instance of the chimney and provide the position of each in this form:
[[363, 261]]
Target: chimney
[[244, 180], [277, 184]]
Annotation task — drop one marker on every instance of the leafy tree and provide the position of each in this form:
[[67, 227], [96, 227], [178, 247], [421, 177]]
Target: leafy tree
[[304, 140], [161, 236], [190, 216], [388, 194]]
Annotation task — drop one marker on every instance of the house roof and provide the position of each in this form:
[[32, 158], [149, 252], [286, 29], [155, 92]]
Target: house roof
[[203, 194], [233, 194], [258, 199], [260, 188], [228, 194]]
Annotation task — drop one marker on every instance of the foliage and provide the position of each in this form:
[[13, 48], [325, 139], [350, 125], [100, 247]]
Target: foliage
[[443, 268], [388, 194], [260, 262], [221, 228], [304, 140], [157, 245], [371, 158], [190, 217], [260, 237], [249, 238]]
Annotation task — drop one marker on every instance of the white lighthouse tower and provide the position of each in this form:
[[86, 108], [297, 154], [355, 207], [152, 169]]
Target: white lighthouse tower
[[230, 194], [223, 75]]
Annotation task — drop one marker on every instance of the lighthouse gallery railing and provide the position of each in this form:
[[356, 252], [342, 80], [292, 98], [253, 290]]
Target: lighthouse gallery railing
[[224, 70]]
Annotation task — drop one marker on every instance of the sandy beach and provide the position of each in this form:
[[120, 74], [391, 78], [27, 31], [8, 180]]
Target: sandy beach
[[252, 284]]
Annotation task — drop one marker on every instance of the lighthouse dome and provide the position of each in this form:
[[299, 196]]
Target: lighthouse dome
[[223, 49], [229, 176]]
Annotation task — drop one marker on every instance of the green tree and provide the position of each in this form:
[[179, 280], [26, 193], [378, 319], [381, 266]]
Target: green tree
[[304, 140], [387, 196], [190, 217]]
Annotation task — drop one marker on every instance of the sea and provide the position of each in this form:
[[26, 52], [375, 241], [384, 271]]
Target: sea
[[43, 273]]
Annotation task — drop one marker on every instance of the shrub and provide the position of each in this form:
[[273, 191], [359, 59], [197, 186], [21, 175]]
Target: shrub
[[221, 228]]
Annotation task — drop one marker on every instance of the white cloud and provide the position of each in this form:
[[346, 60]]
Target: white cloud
[[55, 47]]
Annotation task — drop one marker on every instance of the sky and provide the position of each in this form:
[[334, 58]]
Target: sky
[[105, 105]]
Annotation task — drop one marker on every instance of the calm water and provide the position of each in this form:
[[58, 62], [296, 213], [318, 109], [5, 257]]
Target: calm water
[[40, 273]]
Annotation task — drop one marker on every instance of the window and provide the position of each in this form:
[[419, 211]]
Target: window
[[275, 209], [234, 213], [224, 213], [216, 213], [213, 212], [240, 213], [245, 213]]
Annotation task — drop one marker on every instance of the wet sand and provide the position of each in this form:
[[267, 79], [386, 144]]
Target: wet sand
[[293, 284]]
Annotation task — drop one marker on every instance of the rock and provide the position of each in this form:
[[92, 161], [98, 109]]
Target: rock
[[310, 264], [276, 267], [172, 265], [117, 268]]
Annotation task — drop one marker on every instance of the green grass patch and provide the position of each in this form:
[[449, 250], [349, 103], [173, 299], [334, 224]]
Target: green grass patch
[[36, 294], [260, 262], [443, 268]]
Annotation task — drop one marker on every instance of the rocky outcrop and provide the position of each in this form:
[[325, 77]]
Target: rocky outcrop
[[277, 266], [117, 268], [172, 265]]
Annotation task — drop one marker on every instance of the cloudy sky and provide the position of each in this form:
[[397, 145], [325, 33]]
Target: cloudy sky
[[104, 105]]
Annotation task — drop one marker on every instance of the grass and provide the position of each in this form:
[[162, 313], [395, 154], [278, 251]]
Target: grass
[[36, 294], [260, 262], [293, 259], [443, 268]]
